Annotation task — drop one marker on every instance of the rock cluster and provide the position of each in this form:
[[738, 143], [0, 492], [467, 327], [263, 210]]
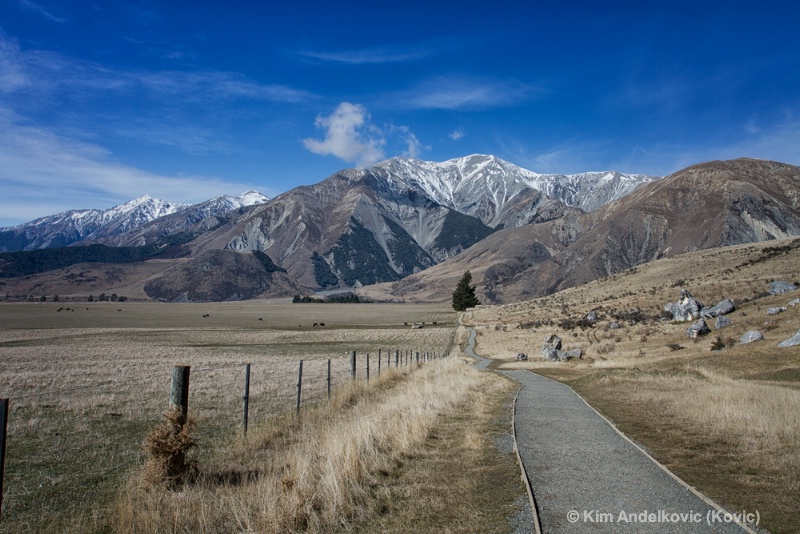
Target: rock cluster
[[551, 349], [686, 309], [689, 308]]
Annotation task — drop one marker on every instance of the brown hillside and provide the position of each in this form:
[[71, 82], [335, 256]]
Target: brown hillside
[[709, 205]]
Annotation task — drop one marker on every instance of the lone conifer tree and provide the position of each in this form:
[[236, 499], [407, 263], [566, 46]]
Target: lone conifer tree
[[464, 295]]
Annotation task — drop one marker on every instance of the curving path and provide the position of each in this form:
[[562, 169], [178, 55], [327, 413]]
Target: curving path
[[586, 476]]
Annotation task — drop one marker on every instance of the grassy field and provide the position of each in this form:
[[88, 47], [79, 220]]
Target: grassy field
[[726, 421], [87, 382]]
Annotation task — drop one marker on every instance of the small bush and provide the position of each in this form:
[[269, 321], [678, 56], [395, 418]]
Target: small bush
[[167, 445], [675, 346]]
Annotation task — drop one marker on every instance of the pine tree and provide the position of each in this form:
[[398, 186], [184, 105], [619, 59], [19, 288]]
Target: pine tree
[[464, 294]]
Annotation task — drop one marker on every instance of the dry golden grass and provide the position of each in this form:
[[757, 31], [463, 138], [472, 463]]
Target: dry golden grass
[[728, 422], [330, 471], [86, 386]]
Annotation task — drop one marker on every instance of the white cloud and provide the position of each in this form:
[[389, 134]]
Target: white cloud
[[349, 136], [454, 92], [457, 134]]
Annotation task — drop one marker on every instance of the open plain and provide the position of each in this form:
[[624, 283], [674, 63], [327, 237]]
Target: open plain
[[87, 381]]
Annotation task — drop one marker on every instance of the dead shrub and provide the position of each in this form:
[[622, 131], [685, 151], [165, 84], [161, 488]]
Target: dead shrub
[[166, 446], [718, 344]]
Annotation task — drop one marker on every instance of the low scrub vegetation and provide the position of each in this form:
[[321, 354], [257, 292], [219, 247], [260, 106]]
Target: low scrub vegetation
[[318, 473], [720, 414]]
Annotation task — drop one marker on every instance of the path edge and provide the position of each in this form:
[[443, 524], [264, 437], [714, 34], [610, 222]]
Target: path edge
[[664, 468], [537, 525]]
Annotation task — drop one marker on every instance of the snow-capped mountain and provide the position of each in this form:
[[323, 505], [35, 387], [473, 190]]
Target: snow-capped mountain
[[93, 225], [499, 193], [191, 221], [402, 217]]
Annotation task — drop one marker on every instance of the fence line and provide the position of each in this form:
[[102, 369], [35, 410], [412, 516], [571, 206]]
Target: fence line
[[179, 392]]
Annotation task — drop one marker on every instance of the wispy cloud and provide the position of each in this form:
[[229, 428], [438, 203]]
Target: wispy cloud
[[44, 72], [40, 169], [456, 134], [413, 146], [776, 140], [456, 92], [40, 10], [367, 56]]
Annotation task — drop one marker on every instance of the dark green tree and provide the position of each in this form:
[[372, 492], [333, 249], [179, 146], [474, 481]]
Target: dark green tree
[[464, 294]]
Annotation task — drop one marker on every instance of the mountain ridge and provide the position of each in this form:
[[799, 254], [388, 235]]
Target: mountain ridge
[[414, 226], [708, 205], [95, 225]]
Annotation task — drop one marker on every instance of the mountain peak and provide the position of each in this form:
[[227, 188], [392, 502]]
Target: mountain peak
[[252, 197]]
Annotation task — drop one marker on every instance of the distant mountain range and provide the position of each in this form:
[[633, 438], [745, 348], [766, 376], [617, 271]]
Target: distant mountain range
[[414, 224], [704, 206], [92, 225]]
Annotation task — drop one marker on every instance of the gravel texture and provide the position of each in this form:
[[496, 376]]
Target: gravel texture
[[587, 477]]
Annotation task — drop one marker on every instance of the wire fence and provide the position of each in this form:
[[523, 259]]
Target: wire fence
[[70, 443]]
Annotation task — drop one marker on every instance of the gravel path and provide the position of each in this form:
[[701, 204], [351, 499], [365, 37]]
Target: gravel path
[[586, 476]]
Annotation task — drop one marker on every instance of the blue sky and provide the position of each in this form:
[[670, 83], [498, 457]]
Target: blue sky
[[103, 101]]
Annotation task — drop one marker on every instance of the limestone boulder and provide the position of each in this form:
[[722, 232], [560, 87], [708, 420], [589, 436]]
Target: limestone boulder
[[750, 337], [779, 287], [792, 341], [721, 322], [697, 329], [552, 342], [723, 307], [556, 355]]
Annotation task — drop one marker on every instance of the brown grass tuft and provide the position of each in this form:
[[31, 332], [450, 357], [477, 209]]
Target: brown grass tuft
[[319, 473], [166, 446]]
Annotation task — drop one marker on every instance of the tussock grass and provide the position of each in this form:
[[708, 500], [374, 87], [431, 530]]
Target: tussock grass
[[726, 421], [87, 387], [317, 474], [758, 419]]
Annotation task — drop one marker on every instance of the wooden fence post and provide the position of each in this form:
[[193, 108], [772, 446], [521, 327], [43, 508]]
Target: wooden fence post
[[246, 394], [353, 364], [379, 363], [3, 433], [417, 356], [396, 358], [299, 386], [179, 393], [368, 368], [329, 379]]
